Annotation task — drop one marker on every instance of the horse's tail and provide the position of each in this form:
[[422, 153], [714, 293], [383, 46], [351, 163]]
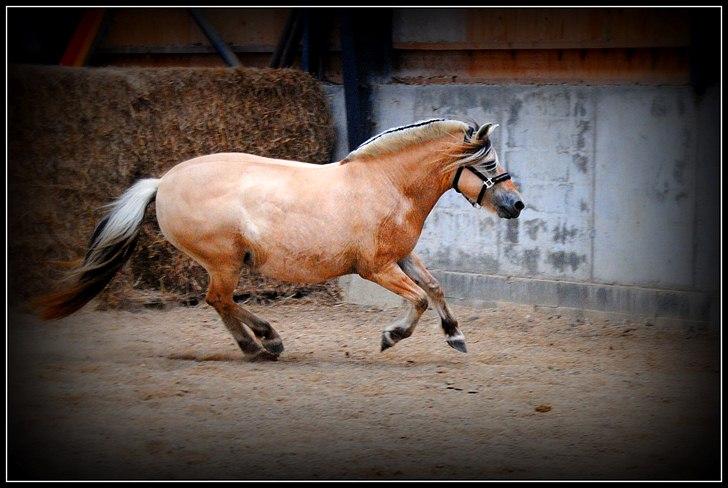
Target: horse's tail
[[110, 247]]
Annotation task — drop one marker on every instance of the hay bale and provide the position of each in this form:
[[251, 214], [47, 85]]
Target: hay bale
[[78, 137]]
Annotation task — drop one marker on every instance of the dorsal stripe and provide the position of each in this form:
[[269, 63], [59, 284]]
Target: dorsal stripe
[[397, 129], [402, 138]]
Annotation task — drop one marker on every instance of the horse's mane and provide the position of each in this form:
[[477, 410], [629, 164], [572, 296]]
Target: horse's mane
[[399, 138]]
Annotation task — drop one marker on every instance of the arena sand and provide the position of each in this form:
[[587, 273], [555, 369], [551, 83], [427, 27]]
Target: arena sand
[[166, 395]]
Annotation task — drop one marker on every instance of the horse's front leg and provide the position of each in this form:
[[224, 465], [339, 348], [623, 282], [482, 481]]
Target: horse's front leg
[[413, 267], [395, 280]]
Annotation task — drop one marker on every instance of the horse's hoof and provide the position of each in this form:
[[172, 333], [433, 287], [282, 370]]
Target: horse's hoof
[[274, 346], [458, 344], [263, 355], [386, 341]]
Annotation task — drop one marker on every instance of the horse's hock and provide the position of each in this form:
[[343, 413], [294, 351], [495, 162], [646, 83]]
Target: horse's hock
[[78, 137]]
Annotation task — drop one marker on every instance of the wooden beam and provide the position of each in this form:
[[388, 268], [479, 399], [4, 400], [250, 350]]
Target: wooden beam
[[83, 38]]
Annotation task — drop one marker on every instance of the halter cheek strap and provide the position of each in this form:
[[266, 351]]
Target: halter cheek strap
[[487, 182]]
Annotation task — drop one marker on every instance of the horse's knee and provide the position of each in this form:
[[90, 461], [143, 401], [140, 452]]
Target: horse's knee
[[434, 289], [421, 303]]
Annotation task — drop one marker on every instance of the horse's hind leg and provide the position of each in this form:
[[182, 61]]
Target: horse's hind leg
[[262, 329], [235, 318], [393, 279], [415, 269]]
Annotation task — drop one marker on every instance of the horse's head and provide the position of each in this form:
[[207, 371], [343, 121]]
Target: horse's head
[[481, 177]]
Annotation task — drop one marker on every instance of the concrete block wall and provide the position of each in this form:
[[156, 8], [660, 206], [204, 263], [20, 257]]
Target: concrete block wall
[[621, 187]]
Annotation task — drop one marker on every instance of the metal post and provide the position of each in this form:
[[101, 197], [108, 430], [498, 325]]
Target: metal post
[[275, 61], [294, 38], [356, 106], [218, 43]]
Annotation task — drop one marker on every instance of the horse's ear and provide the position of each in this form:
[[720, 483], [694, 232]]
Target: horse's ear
[[485, 132]]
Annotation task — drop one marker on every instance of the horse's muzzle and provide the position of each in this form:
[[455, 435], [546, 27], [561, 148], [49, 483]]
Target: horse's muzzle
[[511, 210]]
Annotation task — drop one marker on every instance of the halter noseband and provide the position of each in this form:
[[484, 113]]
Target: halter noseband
[[487, 182]]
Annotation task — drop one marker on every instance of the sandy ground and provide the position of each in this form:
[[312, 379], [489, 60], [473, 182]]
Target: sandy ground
[[166, 394]]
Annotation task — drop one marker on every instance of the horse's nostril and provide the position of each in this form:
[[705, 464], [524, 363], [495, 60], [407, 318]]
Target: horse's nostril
[[519, 205]]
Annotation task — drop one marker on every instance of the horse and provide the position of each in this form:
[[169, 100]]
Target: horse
[[305, 223]]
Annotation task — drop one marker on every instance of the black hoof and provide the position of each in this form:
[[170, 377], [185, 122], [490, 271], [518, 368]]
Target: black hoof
[[458, 344], [386, 343], [263, 355], [275, 347]]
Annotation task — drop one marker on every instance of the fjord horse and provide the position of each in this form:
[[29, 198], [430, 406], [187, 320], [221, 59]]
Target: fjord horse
[[305, 223]]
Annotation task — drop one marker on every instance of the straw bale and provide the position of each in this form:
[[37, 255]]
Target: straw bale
[[78, 137]]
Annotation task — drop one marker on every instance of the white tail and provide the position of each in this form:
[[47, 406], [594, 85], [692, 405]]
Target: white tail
[[110, 247]]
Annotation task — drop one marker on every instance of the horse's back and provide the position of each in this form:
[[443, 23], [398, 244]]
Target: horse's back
[[202, 180], [229, 205], [236, 162]]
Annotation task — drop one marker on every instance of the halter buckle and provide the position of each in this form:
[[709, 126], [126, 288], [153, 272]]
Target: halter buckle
[[488, 183]]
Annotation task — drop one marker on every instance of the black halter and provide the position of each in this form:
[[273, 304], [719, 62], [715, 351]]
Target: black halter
[[487, 182]]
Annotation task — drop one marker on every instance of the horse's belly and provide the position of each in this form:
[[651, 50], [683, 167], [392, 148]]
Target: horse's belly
[[304, 266], [301, 247]]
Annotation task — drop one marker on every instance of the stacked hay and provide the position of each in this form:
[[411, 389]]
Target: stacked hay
[[79, 137]]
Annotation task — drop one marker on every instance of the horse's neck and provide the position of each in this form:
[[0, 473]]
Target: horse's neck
[[419, 174]]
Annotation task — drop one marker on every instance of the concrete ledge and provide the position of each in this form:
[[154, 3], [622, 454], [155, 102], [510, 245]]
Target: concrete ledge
[[355, 289], [485, 290]]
